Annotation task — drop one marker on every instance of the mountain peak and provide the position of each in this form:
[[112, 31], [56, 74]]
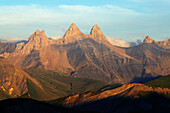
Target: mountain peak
[[96, 32], [37, 31], [73, 30], [73, 34], [73, 26], [148, 39], [38, 34], [95, 27], [38, 39]]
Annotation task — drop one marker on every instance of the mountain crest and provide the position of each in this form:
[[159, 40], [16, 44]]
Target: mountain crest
[[148, 39], [38, 35], [96, 33], [72, 31], [36, 41], [73, 27], [73, 34]]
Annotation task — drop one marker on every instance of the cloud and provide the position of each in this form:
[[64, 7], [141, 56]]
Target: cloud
[[108, 9], [21, 20], [13, 40], [118, 42], [122, 43], [22, 14], [54, 37]]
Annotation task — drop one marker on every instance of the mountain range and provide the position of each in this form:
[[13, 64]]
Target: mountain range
[[91, 56], [84, 73]]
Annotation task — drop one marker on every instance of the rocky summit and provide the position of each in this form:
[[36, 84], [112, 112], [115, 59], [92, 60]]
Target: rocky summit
[[96, 33], [91, 56], [148, 39]]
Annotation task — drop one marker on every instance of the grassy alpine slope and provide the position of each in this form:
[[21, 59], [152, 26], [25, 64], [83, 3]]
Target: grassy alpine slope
[[163, 82], [56, 85]]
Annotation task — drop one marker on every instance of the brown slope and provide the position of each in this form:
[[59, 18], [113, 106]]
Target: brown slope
[[127, 90], [13, 80], [154, 58], [124, 99], [7, 47]]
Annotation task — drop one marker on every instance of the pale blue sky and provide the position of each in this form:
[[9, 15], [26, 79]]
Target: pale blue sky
[[124, 19]]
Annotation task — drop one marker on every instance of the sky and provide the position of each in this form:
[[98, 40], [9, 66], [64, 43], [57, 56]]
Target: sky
[[128, 20]]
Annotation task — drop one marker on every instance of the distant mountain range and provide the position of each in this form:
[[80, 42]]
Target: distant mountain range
[[91, 56]]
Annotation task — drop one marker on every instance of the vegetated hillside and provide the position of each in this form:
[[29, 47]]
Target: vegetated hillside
[[4, 95], [163, 82], [15, 82], [37, 93], [129, 98], [58, 85]]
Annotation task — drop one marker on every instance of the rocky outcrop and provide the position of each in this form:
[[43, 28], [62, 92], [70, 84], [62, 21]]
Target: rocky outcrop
[[165, 43], [148, 39]]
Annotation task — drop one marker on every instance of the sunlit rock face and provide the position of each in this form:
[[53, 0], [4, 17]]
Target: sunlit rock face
[[96, 33], [36, 41], [127, 90], [13, 80], [148, 39], [72, 34], [165, 43]]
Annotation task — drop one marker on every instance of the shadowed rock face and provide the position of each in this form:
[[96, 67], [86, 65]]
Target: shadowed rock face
[[154, 60], [13, 80], [93, 56]]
